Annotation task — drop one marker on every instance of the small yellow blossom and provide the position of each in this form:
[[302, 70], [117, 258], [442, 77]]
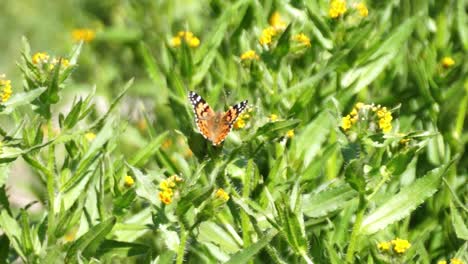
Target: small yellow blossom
[[384, 246], [64, 63], [337, 8], [221, 194], [400, 245], [71, 235], [303, 39], [165, 197], [447, 62], [276, 21], [167, 143], [267, 35], [240, 123], [456, 261], [40, 57], [128, 181], [187, 37], [441, 262], [90, 136], [83, 34], [6, 91], [249, 55], [290, 133], [362, 9], [273, 117], [346, 122], [359, 105], [385, 118], [175, 178]]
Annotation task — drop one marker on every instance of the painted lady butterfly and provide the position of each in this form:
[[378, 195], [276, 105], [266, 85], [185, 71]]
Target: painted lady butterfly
[[214, 126]]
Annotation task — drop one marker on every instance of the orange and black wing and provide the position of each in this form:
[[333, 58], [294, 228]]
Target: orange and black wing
[[203, 113], [228, 120]]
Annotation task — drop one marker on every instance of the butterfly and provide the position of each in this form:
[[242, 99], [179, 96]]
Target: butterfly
[[214, 126]]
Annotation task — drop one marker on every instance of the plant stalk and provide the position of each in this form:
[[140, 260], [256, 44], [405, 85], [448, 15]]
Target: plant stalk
[[183, 241], [357, 226]]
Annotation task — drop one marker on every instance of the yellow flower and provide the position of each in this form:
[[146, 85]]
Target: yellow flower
[[385, 118], [40, 57], [164, 185], [362, 9], [188, 38], [447, 62], [175, 178], [90, 136], [71, 235], [267, 35], [273, 117], [240, 123], [303, 39], [337, 8], [456, 261], [128, 181], [346, 122], [359, 105], [83, 34], [384, 246], [165, 197], [290, 133], [441, 262], [249, 55], [167, 143], [276, 21], [6, 91], [400, 245], [64, 63], [221, 194]]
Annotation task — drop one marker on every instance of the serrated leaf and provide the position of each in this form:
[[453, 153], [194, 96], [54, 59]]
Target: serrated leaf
[[329, 200], [96, 234], [458, 223], [246, 254], [403, 203]]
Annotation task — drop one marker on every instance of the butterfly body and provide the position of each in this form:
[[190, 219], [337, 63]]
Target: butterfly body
[[214, 126]]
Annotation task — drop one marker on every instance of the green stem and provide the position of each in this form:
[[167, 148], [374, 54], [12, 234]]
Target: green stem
[[385, 178], [357, 225], [51, 186], [181, 249], [461, 114]]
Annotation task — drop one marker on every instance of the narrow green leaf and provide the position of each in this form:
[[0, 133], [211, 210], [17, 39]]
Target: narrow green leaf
[[13, 231], [329, 200], [246, 254], [112, 248], [403, 203], [142, 156], [458, 223], [21, 98], [96, 234]]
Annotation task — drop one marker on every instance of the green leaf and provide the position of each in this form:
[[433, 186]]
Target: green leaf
[[276, 129], [142, 156], [403, 203], [112, 248], [13, 231], [458, 223], [22, 98], [246, 254], [88, 243], [144, 186], [354, 175], [329, 200]]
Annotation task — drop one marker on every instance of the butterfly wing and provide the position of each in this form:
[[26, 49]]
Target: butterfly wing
[[203, 114], [228, 120]]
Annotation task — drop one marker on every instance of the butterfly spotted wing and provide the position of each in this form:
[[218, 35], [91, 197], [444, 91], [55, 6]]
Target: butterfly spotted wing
[[214, 126]]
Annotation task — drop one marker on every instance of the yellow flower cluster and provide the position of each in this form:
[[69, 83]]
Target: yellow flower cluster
[[249, 55], [221, 194], [5, 86], [302, 39], [452, 261], [447, 62], [362, 9], [385, 119], [337, 8], [399, 245], [384, 116], [273, 117], [241, 120], [41, 58], [276, 26], [167, 188], [83, 34], [186, 36], [290, 133], [128, 181]]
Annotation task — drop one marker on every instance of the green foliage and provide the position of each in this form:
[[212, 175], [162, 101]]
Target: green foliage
[[104, 144]]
